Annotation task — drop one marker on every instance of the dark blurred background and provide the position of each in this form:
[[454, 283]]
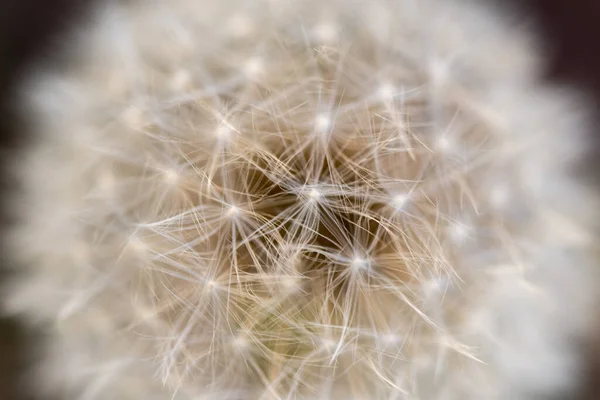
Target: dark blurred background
[[28, 28]]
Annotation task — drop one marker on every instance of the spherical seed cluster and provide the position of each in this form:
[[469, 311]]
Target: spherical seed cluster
[[301, 200]]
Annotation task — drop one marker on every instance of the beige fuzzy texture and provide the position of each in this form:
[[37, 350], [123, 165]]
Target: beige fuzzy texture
[[303, 200]]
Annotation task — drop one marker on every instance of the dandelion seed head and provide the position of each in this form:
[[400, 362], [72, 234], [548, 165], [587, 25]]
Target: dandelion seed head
[[292, 223]]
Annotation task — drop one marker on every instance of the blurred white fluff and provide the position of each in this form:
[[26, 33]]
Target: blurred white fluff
[[319, 199]]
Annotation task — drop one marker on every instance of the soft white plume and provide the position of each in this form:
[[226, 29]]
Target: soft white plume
[[319, 199]]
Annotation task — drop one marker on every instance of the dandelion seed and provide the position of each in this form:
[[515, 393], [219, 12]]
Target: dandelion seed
[[233, 211], [444, 144], [254, 67], [390, 339], [439, 71], [223, 132], [211, 284], [290, 284], [323, 123], [81, 253], [241, 343], [240, 25], [359, 264], [133, 117], [314, 195], [326, 32], [137, 245], [386, 92], [171, 176], [399, 201], [435, 287], [499, 196], [146, 314], [329, 345], [106, 182], [459, 232], [180, 79]]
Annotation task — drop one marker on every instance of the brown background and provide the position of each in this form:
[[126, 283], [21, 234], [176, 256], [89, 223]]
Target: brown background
[[571, 27]]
